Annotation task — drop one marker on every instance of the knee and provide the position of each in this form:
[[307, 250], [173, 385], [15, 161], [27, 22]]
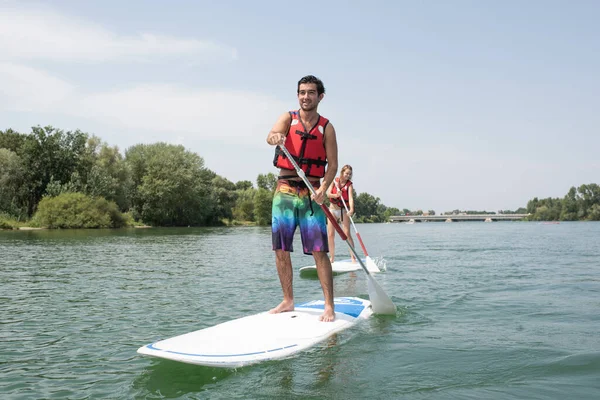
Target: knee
[[319, 255], [282, 255]]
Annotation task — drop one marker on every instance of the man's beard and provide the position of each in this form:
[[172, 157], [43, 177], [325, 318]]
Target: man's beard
[[310, 107]]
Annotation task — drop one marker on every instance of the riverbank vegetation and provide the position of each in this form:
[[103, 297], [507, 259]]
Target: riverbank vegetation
[[579, 204], [56, 179], [69, 179]]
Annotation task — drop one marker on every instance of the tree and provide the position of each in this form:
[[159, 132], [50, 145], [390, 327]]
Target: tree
[[13, 195], [77, 210], [109, 175], [578, 204], [532, 205], [570, 206], [136, 158], [50, 153], [224, 194], [545, 210], [169, 185], [380, 214], [243, 185], [589, 195], [263, 198], [267, 181], [594, 213], [390, 211], [12, 140], [244, 205], [263, 202], [365, 206]]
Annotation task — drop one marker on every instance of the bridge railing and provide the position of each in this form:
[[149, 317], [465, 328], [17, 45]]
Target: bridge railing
[[458, 217]]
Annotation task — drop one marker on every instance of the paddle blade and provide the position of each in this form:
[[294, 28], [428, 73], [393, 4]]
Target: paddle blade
[[371, 265], [380, 302]]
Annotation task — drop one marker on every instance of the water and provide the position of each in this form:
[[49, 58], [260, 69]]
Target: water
[[497, 311]]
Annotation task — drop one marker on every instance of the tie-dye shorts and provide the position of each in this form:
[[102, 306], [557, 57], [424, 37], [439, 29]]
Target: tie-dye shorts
[[293, 207]]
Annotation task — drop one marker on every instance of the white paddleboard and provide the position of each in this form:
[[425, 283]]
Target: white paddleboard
[[260, 337], [343, 266]]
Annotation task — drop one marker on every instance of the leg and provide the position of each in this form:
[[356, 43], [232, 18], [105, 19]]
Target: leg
[[283, 226], [313, 232], [284, 270], [326, 278], [346, 228]]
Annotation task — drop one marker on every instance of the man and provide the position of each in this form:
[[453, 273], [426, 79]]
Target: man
[[310, 139]]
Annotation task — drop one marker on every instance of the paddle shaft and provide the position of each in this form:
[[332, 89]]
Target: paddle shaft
[[330, 216], [362, 245]]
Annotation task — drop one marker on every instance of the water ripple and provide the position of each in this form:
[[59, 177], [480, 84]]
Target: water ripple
[[504, 310]]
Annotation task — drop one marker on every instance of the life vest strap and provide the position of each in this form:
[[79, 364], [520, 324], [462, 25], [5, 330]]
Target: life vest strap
[[306, 135], [309, 161]]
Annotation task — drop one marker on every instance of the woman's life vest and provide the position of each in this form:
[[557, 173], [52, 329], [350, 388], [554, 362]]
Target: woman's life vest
[[305, 146], [344, 189]]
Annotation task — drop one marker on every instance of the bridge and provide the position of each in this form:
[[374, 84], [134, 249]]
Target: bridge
[[458, 217]]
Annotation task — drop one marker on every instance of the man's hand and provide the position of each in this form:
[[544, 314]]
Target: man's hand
[[319, 196], [276, 138]]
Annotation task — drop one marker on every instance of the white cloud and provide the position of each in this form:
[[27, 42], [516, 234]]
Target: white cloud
[[214, 114], [41, 53], [42, 34], [166, 112], [23, 88]]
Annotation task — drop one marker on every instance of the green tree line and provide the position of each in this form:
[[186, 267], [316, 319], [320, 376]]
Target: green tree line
[[62, 179], [579, 204]]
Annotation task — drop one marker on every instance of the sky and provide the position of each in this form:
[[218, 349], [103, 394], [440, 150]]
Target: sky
[[470, 105]]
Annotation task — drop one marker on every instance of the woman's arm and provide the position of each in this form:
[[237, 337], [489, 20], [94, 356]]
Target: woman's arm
[[329, 189], [350, 200], [330, 193]]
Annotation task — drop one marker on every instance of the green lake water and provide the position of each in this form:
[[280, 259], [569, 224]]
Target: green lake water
[[506, 310]]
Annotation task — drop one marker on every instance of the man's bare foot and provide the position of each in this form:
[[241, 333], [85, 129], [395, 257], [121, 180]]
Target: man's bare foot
[[328, 315], [284, 306]]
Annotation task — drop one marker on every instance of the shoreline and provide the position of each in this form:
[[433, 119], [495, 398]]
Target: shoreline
[[31, 228]]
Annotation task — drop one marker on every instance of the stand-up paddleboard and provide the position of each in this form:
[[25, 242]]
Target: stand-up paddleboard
[[260, 337], [342, 266]]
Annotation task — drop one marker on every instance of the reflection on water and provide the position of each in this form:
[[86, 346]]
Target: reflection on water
[[326, 369], [172, 379]]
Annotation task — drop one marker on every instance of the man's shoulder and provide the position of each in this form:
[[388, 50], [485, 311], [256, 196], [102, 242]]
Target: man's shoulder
[[286, 116], [324, 121]]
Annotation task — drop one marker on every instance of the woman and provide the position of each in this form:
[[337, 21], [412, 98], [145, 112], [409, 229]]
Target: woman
[[341, 188]]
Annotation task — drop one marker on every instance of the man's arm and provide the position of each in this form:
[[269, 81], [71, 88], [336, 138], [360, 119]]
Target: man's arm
[[280, 129], [332, 161]]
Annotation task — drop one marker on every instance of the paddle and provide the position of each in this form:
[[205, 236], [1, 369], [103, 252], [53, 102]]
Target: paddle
[[362, 245], [380, 301]]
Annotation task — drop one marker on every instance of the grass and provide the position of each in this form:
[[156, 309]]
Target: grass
[[8, 223]]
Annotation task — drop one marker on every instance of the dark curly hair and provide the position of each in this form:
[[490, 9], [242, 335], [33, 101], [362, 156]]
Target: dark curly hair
[[312, 79]]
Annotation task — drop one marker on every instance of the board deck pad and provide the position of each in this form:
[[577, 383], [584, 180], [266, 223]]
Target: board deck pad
[[341, 267], [260, 337]]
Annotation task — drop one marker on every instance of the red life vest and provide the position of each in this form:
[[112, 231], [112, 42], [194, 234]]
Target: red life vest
[[337, 201], [306, 146]]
